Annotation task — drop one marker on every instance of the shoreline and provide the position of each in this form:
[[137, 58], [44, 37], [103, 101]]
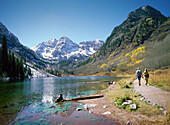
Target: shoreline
[[105, 107], [100, 103]]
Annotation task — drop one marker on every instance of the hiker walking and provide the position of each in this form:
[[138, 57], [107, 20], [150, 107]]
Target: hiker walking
[[139, 74], [146, 76]]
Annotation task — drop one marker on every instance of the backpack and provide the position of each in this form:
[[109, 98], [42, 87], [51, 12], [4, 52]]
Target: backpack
[[147, 75], [139, 72]]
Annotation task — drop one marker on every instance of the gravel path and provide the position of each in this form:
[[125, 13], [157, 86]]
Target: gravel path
[[153, 95]]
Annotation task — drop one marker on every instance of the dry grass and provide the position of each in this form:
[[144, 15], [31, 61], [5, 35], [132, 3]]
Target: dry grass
[[161, 79]]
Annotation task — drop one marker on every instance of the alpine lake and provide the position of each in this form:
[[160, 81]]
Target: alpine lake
[[31, 102]]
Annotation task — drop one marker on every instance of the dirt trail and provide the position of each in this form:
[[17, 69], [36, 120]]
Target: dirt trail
[[153, 94]]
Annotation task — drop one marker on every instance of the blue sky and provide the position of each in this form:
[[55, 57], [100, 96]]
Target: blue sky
[[35, 21]]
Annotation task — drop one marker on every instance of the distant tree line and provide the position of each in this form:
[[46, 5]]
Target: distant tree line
[[54, 72], [11, 65]]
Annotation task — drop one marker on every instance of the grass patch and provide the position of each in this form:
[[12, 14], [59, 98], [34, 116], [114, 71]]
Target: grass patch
[[161, 79], [120, 100], [126, 82]]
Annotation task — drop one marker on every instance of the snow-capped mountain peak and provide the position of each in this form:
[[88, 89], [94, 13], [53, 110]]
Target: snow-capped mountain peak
[[65, 48]]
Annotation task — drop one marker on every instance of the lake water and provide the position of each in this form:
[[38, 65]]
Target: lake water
[[32, 101]]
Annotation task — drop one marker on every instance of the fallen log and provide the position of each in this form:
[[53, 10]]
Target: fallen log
[[84, 97]]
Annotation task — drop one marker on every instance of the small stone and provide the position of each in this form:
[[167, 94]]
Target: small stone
[[128, 123], [126, 86], [105, 113], [90, 111], [78, 109], [142, 98], [110, 82], [165, 112], [114, 82], [154, 104], [130, 83], [85, 107], [127, 102], [105, 106], [149, 102], [133, 106], [161, 109]]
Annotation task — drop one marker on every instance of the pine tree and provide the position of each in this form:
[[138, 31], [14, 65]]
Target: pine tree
[[4, 55], [13, 68], [29, 72], [21, 67], [10, 63], [0, 60], [17, 67]]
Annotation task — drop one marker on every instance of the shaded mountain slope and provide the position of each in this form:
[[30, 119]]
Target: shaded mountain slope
[[14, 45]]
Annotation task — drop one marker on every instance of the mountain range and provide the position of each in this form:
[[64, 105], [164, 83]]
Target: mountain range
[[142, 40], [66, 49], [53, 50]]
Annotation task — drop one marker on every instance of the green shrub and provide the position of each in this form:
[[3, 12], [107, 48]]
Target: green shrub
[[119, 101]]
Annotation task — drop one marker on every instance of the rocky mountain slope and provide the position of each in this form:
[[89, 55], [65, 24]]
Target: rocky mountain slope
[[130, 43], [32, 60], [14, 45], [66, 49]]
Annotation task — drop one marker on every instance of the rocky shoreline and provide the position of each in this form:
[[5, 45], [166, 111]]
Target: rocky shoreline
[[102, 106], [105, 107]]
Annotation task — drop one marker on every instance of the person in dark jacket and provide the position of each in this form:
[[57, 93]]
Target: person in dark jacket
[[139, 75]]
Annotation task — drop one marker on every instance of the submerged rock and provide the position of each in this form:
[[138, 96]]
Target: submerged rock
[[54, 106]]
